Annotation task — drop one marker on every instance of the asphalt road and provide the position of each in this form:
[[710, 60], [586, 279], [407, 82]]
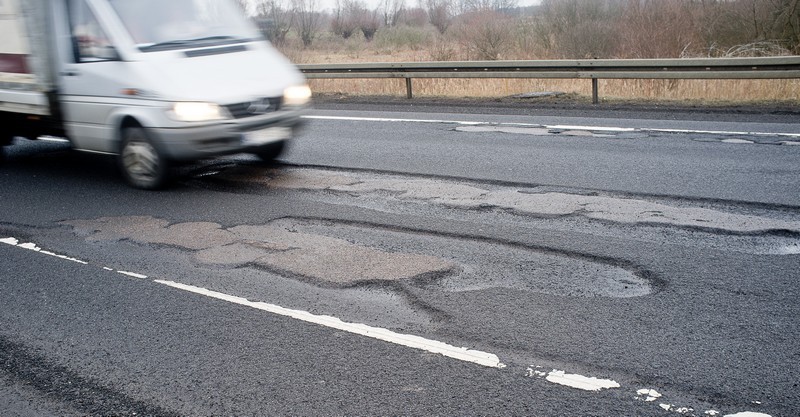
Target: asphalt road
[[416, 261]]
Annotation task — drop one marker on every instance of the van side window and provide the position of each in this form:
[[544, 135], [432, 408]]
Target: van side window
[[89, 40]]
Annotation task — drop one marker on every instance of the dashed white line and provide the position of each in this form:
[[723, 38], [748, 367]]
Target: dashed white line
[[32, 246], [579, 381], [573, 380], [132, 274], [433, 346]]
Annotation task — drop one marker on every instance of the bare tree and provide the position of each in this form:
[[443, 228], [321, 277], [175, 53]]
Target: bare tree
[[345, 19], [275, 20], [307, 20], [392, 11], [467, 6], [786, 22], [440, 13], [352, 15], [369, 22]]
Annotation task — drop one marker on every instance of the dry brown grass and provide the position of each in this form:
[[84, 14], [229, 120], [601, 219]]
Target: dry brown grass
[[709, 91], [703, 91]]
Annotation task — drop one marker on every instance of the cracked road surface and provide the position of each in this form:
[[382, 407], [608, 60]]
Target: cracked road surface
[[367, 283]]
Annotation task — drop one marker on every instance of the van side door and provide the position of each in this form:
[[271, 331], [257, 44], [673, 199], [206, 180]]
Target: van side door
[[90, 76]]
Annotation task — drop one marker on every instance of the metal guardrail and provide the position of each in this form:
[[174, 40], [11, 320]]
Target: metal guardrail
[[594, 69]]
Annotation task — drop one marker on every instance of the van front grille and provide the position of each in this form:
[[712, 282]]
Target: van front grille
[[254, 108]]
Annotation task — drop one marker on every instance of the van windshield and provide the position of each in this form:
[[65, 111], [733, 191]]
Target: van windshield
[[157, 25]]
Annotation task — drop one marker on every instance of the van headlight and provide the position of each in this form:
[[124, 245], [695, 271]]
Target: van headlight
[[298, 95], [196, 112]]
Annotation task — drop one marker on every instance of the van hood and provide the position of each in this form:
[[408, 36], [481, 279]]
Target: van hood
[[219, 75]]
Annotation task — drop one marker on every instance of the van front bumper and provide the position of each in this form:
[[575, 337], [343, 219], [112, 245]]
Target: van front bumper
[[227, 136]]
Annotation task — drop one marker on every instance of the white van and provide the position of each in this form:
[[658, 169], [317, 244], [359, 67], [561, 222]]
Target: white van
[[151, 81]]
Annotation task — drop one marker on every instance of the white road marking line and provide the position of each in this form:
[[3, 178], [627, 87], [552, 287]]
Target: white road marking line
[[574, 380], [433, 346], [726, 133], [383, 119], [10, 241], [648, 395], [32, 246], [132, 274], [559, 127], [594, 128]]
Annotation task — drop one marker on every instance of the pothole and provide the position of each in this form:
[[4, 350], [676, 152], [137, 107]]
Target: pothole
[[524, 202], [738, 141], [342, 255], [542, 131]]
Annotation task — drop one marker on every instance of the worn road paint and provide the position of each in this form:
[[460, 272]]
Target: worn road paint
[[132, 274], [382, 119], [573, 380], [590, 128], [463, 354], [649, 395], [433, 346], [31, 246], [579, 381]]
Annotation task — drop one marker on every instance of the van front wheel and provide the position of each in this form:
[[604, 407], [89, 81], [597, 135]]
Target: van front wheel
[[268, 153], [142, 165]]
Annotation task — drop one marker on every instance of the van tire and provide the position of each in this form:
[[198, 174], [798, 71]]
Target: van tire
[[268, 153], [6, 137], [142, 165]]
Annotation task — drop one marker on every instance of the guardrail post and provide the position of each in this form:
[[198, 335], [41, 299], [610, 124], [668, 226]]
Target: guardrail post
[[409, 92], [595, 94]]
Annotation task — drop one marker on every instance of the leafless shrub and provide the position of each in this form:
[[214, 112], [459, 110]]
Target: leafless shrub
[[657, 29], [405, 37], [757, 49], [484, 35], [442, 49], [578, 28]]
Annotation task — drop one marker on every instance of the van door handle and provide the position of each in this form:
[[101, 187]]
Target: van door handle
[[70, 73]]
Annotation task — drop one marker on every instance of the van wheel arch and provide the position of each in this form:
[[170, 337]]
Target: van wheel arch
[[141, 162]]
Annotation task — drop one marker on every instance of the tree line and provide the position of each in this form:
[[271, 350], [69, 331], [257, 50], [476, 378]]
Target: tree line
[[495, 29]]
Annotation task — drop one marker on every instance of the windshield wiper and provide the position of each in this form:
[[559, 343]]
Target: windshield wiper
[[182, 43]]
